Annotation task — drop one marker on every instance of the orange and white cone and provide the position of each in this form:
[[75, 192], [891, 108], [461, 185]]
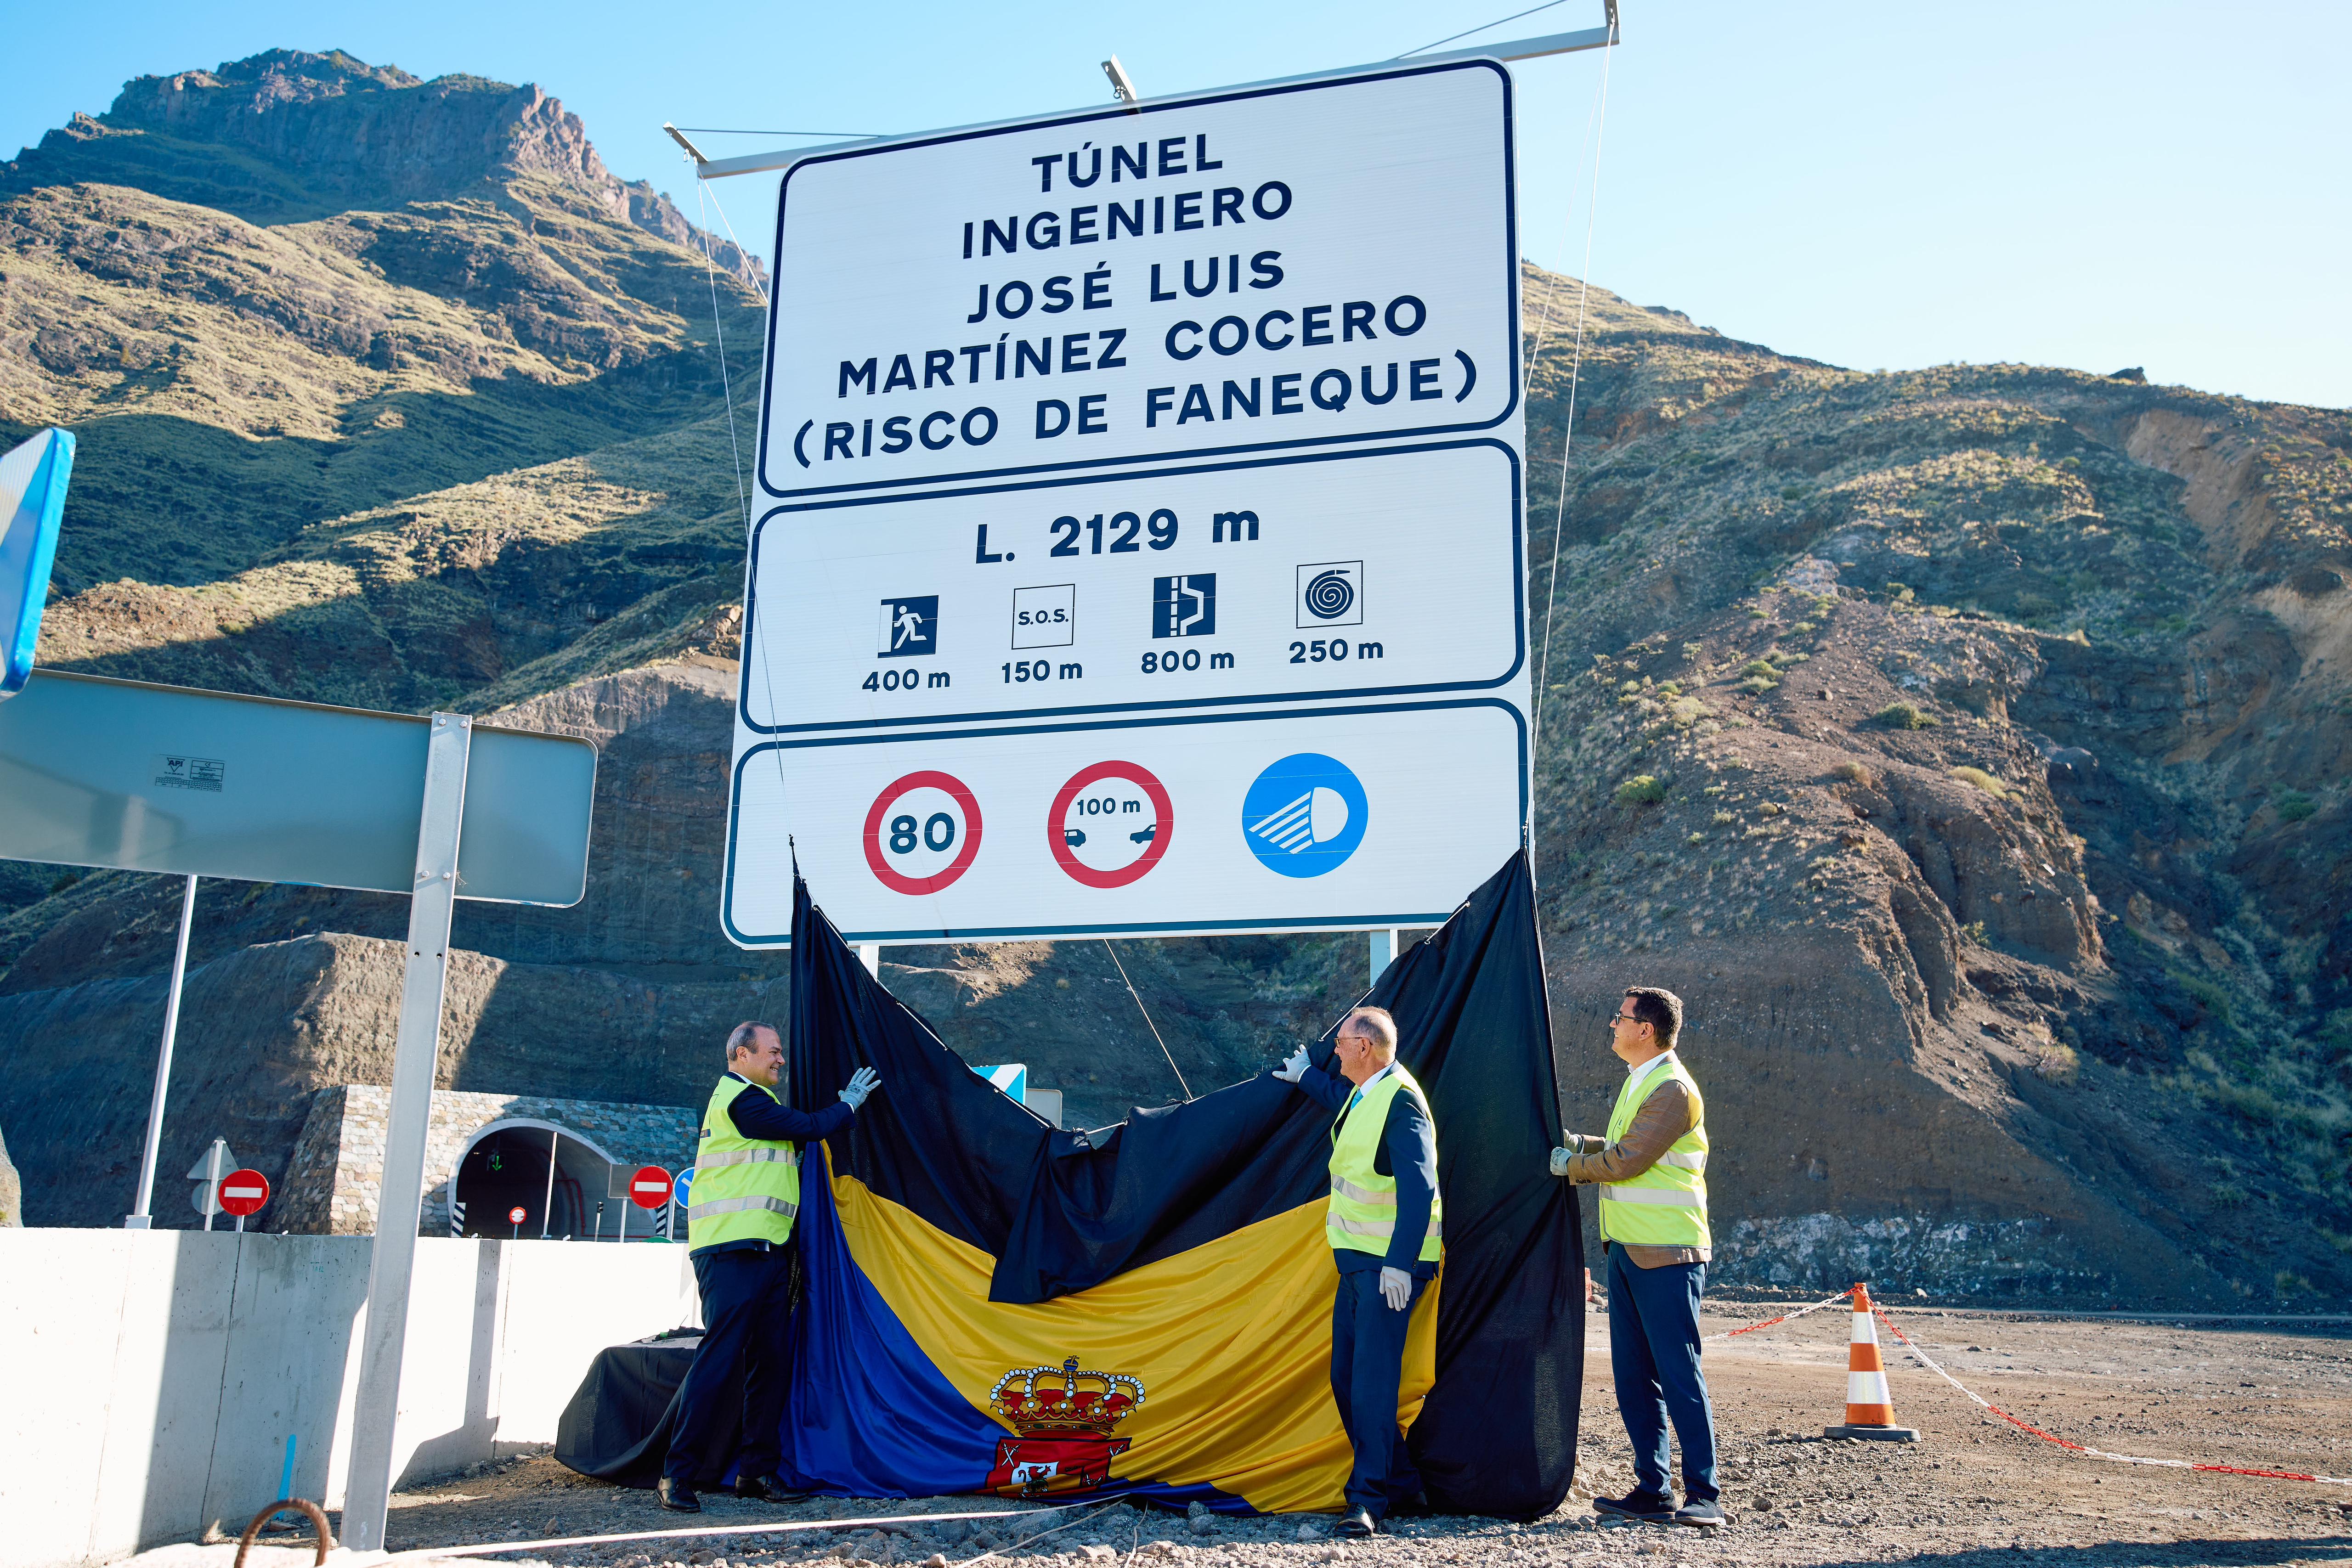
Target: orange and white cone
[[1869, 1412]]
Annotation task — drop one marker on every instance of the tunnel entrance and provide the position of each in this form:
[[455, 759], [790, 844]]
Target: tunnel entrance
[[507, 1169]]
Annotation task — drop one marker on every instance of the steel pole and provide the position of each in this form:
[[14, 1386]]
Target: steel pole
[[547, 1204], [1383, 953], [140, 1216], [400, 1201]]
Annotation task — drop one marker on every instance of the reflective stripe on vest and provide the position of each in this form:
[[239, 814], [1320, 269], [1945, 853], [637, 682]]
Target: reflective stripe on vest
[[737, 1206], [1666, 1206], [1362, 1213], [745, 1189], [784, 1152]]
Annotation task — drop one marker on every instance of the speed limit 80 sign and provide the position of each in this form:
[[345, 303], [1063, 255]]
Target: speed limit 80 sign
[[922, 833]]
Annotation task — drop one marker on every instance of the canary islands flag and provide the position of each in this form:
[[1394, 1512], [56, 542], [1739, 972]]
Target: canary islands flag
[[993, 1304]]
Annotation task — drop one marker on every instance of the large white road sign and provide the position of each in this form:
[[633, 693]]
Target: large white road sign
[[1269, 268], [1297, 579], [1336, 819]]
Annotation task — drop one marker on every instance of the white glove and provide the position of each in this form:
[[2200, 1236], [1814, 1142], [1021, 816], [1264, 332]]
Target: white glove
[[1294, 1066], [1559, 1162], [862, 1082], [1396, 1288]]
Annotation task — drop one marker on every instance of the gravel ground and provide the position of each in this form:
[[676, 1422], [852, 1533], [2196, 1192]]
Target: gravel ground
[[1973, 1493]]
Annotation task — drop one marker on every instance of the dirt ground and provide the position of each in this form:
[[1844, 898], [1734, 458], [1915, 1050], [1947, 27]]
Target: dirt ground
[[1972, 1493]]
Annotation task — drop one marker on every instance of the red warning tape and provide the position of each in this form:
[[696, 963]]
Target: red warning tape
[[1784, 1317], [1926, 1361]]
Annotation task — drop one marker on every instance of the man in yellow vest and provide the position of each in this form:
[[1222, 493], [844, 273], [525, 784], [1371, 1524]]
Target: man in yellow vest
[[1383, 1225], [739, 1217], [1651, 1167]]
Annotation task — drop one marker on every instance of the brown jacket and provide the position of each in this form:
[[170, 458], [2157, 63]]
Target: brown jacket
[[1661, 1120]]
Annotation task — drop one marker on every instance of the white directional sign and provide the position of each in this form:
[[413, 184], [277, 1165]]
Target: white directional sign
[[1299, 578], [1332, 817], [1267, 268], [1140, 543]]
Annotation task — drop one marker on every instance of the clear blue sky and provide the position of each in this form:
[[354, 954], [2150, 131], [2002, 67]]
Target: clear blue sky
[[2092, 184]]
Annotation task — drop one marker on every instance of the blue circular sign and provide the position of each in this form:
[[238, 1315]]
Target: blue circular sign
[[1305, 815]]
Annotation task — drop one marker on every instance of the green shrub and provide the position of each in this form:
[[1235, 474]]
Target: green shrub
[[1902, 716], [1763, 667], [2226, 1193], [1854, 773], [1982, 780], [1803, 626], [1757, 685], [64, 881], [1641, 790], [2295, 806], [1902, 595]]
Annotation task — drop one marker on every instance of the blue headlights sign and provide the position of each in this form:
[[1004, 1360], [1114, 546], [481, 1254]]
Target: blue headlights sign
[[1305, 815]]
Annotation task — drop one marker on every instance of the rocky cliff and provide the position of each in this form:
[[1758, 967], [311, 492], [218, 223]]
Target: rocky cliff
[[1966, 744]]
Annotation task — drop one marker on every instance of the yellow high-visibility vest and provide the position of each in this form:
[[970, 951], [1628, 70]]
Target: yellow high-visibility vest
[[1666, 1206], [745, 1189], [1362, 1215]]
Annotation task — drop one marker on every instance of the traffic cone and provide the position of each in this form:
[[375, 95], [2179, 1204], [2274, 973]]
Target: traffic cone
[[1868, 1412]]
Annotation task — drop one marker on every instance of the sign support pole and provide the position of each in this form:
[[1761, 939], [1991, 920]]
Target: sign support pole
[[400, 1200], [870, 954], [141, 1216], [1383, 953]]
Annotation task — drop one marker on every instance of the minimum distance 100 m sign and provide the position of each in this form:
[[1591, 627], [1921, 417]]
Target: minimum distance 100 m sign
[[1272, 268]]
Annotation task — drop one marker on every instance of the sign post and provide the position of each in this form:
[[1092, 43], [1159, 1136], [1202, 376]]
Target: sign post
[[399, 1199], [139, 1217]]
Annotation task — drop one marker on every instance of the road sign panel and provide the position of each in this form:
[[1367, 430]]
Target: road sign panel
[[515, 1215], [244, 1192], [1390, 572], [1272, 268], [32, 477], [650, 1187], [165, 779], [685, 1188], [1432, 799]]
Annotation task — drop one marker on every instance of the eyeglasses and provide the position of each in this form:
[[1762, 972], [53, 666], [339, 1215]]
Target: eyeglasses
[[1616, 1018]]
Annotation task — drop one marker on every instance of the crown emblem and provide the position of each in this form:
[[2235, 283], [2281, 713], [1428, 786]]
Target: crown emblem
[[1088, 1403]]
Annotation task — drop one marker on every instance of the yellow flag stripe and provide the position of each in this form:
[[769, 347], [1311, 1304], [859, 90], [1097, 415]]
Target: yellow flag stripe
[[1232, 1341]]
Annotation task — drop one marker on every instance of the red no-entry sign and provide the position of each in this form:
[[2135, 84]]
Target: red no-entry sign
[[244, 1192], [650, 1187], [514, 1215]]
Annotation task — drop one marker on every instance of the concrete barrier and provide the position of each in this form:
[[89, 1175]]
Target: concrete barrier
[[155, 1376]]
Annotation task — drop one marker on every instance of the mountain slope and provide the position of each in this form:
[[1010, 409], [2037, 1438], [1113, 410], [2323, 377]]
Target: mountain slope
[[1967, 745]]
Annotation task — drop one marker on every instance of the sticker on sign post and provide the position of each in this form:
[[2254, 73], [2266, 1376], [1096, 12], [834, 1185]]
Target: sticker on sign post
[[922, 833], [1110, 824]]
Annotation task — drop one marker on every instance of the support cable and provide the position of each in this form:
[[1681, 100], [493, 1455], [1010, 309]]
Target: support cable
[[1568, 431], [1147, 1018], [1497, 22]]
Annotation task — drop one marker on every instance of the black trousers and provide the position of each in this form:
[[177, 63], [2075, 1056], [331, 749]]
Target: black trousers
[[740, 1372], [1367, 1364]]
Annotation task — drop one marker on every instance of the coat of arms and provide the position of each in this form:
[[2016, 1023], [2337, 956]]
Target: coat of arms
[[1066, 1443]]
